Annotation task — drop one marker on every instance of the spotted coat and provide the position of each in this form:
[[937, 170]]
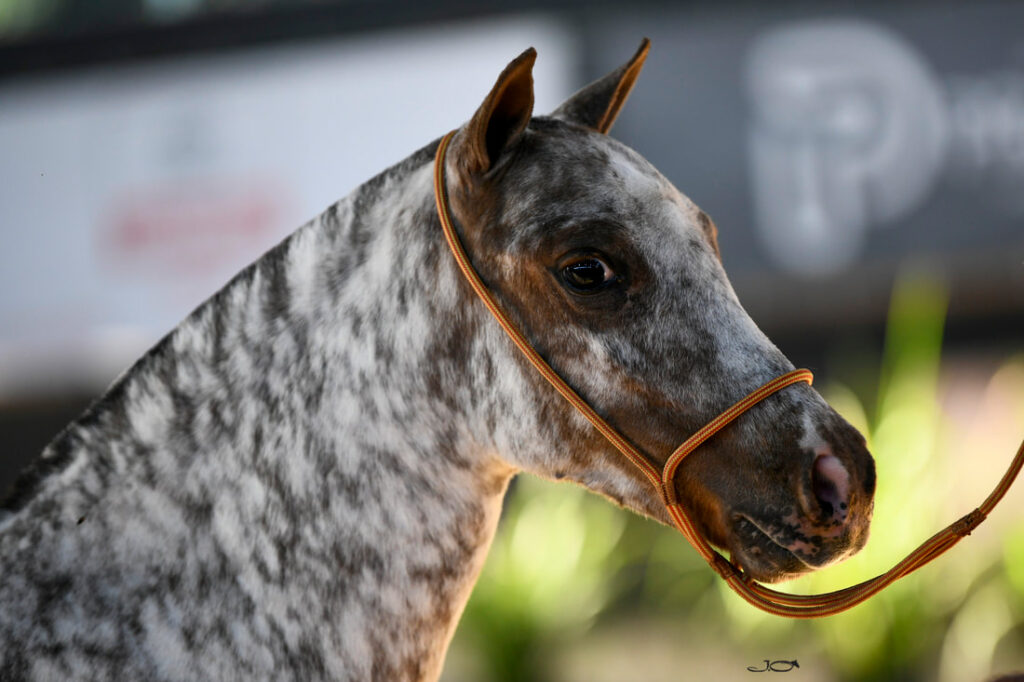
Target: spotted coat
[[301, 481]]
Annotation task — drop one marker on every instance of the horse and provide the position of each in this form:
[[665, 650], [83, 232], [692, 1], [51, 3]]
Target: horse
[[302, 479]]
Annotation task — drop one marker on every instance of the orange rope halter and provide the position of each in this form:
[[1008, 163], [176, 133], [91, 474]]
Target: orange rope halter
[[772, 601]]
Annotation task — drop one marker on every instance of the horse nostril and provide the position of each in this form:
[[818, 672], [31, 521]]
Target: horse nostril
[[830, 483]]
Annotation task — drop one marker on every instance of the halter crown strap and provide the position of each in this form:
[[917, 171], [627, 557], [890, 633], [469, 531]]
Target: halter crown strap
[[779, 603]]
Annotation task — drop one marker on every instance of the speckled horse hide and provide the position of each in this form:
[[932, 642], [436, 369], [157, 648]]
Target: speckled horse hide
[[301, 481]]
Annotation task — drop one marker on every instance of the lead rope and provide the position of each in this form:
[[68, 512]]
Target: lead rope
[[772, 601]]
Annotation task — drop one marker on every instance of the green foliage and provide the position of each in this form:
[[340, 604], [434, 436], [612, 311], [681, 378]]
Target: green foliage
[[546, 577], [940, 622], [18, 17]]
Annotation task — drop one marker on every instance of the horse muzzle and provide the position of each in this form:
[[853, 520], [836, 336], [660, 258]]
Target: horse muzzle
[[828, 522]]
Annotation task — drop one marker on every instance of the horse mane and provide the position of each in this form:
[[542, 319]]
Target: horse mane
[[108, 410]]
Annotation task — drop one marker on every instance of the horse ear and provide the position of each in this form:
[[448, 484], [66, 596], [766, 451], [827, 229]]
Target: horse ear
[[598, 104], [502, 117]]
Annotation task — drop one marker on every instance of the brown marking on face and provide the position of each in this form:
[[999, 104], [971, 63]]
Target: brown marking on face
[[501, 118], [598, 105], [658, 353], [710, 230]]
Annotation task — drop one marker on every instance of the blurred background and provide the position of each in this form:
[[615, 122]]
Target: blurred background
[[864, 164]]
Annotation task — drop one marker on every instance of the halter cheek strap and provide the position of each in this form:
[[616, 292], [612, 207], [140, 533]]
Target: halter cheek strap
[[779, 603]]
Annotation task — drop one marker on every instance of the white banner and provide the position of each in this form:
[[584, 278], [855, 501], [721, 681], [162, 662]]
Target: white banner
[[128, 195]]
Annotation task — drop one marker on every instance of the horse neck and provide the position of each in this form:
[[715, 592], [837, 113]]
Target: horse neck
[[305, 406]]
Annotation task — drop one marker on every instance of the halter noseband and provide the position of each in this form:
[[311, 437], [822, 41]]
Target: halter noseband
[[772, 601]]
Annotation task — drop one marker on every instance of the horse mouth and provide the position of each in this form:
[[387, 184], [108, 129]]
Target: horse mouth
[[761, 555]]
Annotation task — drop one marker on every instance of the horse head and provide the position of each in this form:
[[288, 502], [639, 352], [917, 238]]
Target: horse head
[[617, 280]]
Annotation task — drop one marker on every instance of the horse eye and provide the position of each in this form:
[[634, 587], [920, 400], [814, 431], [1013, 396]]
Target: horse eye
[[587, 275]]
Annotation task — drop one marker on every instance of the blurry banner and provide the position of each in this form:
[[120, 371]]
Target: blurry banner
[[834, 150], [130, 194], [849, 131]]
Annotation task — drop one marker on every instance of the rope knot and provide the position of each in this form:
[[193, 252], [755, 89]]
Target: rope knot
[[668, 494], [968, 523], [723, 567]]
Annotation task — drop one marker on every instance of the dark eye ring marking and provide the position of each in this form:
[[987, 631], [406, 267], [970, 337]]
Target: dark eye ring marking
[[587, 274]]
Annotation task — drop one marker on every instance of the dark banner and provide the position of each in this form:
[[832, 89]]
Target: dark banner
[[835, 150]]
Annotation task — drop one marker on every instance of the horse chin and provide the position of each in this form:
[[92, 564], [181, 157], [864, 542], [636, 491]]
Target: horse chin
[[760, 556]]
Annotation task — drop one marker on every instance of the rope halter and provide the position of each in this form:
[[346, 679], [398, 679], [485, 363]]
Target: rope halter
[[764, 598]]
